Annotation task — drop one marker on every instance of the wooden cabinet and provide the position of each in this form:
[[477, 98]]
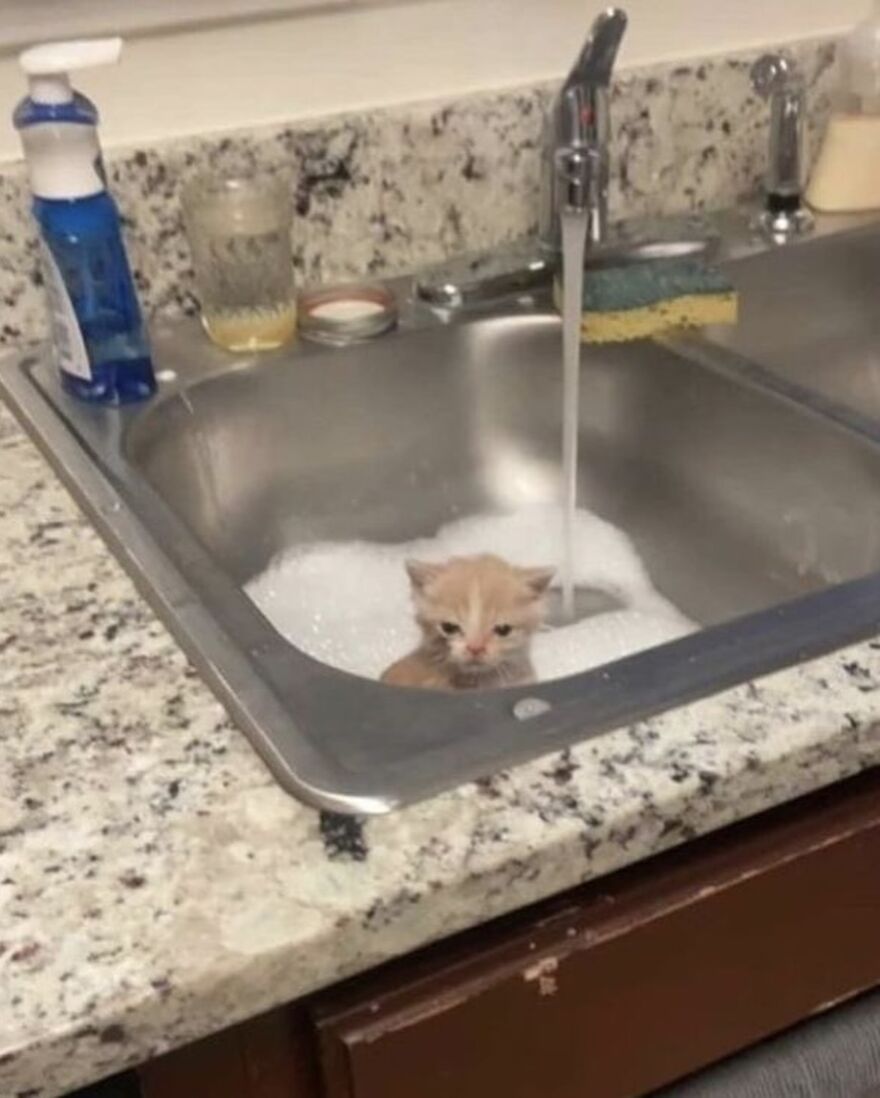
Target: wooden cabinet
[[267, 1057], [615, 989]]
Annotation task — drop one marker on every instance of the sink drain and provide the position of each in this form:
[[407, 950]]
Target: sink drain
[[526, 709]]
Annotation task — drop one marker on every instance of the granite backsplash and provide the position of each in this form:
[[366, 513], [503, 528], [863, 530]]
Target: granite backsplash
[[387, 190]]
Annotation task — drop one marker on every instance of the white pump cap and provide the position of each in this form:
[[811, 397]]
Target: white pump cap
[[47, 66]]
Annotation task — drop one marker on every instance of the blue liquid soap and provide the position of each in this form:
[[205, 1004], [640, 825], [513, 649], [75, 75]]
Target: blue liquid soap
[[97, 330], [83, 239]]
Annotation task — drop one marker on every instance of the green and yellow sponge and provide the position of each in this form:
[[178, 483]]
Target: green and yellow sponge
[[641, 300]]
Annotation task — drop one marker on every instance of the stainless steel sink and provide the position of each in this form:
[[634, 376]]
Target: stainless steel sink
[[754, 513], [810, 318]]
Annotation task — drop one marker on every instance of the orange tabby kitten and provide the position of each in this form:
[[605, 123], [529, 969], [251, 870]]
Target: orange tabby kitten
[[477, 616]]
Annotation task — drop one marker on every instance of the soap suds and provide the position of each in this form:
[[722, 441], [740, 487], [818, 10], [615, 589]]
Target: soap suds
[[348, 603]]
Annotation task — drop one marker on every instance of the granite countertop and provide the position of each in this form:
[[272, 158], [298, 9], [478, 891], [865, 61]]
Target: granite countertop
[[156, 884]]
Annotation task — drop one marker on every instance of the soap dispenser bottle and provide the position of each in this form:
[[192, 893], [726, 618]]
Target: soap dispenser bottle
[[99, 338], [846, 176]]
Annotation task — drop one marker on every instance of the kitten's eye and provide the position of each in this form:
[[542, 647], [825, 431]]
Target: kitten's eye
[[449, 628], [503, 630]]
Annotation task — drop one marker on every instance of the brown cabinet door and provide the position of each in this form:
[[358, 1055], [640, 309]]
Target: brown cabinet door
[[271, 1056], [636, 981]]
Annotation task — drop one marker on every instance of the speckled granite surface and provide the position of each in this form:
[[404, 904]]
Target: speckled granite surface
[[155, 883], [403, 187]]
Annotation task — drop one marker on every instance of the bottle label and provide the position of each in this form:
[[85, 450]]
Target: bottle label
[[70, 347]]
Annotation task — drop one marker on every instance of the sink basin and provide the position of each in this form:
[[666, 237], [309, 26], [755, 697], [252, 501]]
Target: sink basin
[[752, 512], [810, 315]]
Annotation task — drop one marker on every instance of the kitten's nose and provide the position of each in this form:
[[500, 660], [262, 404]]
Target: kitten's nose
[[476, 648]]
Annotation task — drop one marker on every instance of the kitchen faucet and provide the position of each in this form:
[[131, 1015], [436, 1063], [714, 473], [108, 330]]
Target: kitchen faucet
[[576, 160], [575, 172]]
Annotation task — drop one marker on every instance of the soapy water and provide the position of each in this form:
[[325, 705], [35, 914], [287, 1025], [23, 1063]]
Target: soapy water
[[348, 603]]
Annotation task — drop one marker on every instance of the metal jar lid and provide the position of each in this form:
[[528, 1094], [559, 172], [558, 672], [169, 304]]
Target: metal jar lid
[[346, 314]]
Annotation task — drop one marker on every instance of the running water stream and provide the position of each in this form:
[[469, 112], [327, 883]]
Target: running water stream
[[574, 242]]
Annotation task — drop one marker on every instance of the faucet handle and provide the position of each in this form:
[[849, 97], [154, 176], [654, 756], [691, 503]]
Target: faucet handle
[[776, 77]]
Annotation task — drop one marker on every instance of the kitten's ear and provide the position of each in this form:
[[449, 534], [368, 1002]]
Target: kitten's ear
[[421, 573], [537, 579]]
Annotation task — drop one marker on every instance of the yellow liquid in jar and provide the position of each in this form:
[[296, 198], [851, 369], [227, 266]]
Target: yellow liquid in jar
[[251, 329]]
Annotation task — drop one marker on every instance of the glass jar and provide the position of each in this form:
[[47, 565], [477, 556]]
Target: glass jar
[[239, 236]]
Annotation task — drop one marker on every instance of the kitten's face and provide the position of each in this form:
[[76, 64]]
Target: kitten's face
[[478, 612]]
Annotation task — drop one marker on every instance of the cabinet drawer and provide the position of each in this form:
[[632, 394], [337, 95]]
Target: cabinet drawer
[[634, 981]]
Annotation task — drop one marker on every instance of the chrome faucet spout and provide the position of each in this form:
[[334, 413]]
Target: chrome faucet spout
[[577, 134], [595, 63]]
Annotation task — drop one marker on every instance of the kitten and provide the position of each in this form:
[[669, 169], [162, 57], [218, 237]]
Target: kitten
[[477, 616]]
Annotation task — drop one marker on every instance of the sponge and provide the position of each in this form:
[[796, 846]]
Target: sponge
[[640, 300]]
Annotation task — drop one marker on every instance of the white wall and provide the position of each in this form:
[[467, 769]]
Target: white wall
[[320, 62], [26, 21]]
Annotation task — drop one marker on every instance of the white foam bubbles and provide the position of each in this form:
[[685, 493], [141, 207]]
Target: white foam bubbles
[[348, 604]]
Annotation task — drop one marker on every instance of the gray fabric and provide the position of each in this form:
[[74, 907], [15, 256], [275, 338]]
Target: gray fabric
[[836, 1055]]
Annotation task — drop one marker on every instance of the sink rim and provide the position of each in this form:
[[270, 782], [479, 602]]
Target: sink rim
[[247, 675]]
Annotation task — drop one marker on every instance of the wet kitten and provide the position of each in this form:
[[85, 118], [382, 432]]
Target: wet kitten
[[477, 616]]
